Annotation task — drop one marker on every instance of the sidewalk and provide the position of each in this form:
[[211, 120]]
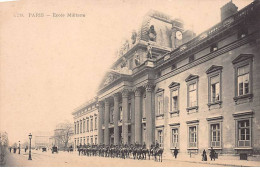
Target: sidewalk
[[221, 161]]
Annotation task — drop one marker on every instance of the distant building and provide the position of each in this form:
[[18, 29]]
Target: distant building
[[40, 139]]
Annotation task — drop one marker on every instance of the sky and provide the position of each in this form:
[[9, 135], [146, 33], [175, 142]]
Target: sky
[[51, 65]]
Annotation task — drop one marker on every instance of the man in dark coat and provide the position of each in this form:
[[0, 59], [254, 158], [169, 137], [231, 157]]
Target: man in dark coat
[[212, 153], [175, 152], [204, 155]]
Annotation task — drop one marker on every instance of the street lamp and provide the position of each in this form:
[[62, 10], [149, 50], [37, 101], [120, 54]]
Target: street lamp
[[30, 155], [19, 148]]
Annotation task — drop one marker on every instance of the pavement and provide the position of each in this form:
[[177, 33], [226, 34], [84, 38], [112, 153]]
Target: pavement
[[65, 159]]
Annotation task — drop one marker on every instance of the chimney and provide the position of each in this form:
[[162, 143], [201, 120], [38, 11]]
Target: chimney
[[228, 10]]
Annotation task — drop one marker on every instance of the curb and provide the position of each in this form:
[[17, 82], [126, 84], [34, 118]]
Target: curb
[[211, 163]]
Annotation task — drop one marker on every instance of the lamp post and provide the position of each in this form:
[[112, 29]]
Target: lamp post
[[19, 148], [30, 154]]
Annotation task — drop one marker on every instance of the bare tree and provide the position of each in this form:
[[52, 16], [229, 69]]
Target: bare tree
[[62, 134], [3, 147]]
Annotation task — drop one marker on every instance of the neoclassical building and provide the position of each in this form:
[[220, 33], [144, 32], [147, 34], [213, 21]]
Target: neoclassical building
[[86, 123], [186, 91]]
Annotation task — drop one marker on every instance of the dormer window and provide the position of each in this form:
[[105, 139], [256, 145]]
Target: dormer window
[[242, 33], [213, 47], [174, 66], [191, 58]]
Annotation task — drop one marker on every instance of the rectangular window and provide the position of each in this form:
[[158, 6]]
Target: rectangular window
[[87, 140], [84, 125], [91, 140], [215, 135], [192, 95], [215, 89], [160, 138], [159, 104], [95, 123], [87, 125], [84, 142], [174, 139], [95, 140], [243, 80], [91, 124], [244, 133], [192, 136], [80, 126], [175, 100]]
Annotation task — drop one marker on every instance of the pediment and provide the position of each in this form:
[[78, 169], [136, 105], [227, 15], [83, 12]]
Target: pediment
[[110, 77], [173, 84], [191, 77], [242, 57], [159, 90], [214, 68]]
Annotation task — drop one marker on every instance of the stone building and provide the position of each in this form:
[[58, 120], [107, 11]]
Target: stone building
[[86, 124], [186, 91]]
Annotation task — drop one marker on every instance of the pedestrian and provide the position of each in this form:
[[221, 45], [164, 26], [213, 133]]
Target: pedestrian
[[10, 149], [212, 154], [204, 155], [175, 152]]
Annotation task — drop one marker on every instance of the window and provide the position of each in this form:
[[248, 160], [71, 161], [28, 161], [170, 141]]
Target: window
[[214, 85], [91, 124], [95, 123], [213, 47], [95, 139], [91, 140], [84, 126], [215, 135], [160, 138], [242, 32], [84, 142], [243, 80], [173, 67], [175, 137], [243, 133], [192, 136], [159, 102], [80, 126], [111, 115], [191, 58], [87, 125], [88, 140], [192, 95], [75, 127], [174, 98], [81, 140]]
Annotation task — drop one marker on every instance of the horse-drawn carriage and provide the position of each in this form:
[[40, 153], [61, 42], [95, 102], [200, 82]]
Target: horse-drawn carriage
[[54, 149], [44, 149]]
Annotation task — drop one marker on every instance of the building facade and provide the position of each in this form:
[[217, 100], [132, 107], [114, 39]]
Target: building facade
[[186, 91], [86, 124]]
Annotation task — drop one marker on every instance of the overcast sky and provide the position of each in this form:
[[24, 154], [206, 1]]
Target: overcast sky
[[49, 66]]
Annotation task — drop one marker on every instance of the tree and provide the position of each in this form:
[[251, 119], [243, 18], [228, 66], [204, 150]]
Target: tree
[[3, 146], [62, 134]]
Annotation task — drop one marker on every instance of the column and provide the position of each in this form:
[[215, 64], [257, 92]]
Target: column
[[138, 116], [125, 115], [106, 120], [116, 117], [132, 118], [100, 122], [150, 120]]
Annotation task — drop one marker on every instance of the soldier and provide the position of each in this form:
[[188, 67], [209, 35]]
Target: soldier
[[175, 152], [157, 144]]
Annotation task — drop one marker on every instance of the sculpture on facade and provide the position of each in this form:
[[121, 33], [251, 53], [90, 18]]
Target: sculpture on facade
[[149, 51], [137, 59], [152, 33], [133, 38]]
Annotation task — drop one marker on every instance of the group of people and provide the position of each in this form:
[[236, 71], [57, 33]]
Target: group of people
[[15, 149], [212, 155], [135, 151]]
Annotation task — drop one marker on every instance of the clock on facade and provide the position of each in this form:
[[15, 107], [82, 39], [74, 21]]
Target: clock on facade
[[178, 35]]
